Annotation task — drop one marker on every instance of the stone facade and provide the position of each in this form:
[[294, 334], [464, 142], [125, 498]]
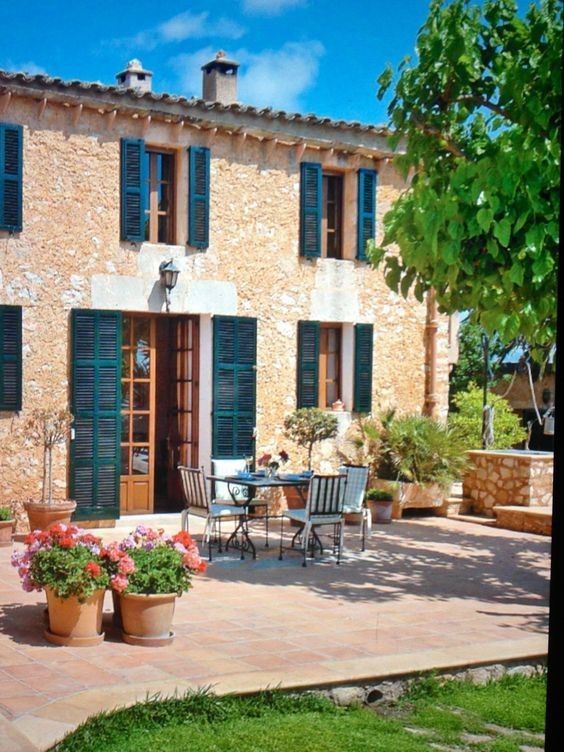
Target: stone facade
[[69, 256], [508, 478]]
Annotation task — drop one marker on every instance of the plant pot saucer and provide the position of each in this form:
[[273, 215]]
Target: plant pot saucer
[[74, 642], [148, 642]]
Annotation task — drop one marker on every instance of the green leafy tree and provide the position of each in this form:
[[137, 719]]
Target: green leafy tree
[[466, 423], [479, 114]]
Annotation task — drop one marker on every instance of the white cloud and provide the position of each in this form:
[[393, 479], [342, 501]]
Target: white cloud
[[183, 26], [270, 78], [26, 67], [269, 7]]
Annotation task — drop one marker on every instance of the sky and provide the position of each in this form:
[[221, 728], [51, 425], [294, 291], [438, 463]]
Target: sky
[[320, 56]]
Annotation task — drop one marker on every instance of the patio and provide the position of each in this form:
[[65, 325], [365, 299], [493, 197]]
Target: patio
[[429, 593]]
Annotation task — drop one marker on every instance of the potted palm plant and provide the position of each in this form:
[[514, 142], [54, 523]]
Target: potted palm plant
[[418, 458], [149, 570], [65, 562], [6, 526], [48, 429]]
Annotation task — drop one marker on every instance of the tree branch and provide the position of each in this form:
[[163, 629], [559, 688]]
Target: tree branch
[[430, 130], [482, 102]]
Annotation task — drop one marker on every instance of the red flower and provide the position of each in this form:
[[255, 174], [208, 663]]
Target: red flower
[[67, 542], [184, 538], [93, 569], [265, 459]]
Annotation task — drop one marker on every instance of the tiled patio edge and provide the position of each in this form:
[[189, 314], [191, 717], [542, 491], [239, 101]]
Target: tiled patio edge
[[41, 729]]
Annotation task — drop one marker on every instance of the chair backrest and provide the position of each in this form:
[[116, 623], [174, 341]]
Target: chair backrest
[[194, 485], [228, 467], [357, 480], [326, 495]]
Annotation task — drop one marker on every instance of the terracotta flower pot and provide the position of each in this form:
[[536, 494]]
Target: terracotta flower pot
[[6, 530], [42, 516], [381, 510], [147, 619], [73, 623]]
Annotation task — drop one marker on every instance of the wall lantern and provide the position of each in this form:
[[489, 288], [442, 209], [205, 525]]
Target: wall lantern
[[169, 276]]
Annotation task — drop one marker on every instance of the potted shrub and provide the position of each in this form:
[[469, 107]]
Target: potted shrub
[[65, 562], [306, 427], [422, 455], [6, 526], [380, 503], [151, 570], [48, 428]]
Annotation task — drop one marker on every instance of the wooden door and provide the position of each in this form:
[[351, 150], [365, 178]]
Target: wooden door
[[138, 380]]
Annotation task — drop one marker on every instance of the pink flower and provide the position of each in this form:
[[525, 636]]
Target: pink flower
[[119, 583], [191, 559], [126, 565]]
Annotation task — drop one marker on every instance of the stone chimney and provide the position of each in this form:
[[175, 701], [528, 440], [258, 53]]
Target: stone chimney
[[219, 83], [135, 77]]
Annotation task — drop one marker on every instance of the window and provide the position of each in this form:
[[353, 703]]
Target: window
[[332, 216], [329, 365], [10, 358], [159, 196]]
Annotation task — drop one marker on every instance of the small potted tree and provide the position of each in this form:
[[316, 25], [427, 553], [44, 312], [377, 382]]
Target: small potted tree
[[48, 429], [6, 526], [307, 426]]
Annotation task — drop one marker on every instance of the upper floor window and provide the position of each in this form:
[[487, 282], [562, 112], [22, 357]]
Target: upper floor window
[[332, 216], [159, 196]]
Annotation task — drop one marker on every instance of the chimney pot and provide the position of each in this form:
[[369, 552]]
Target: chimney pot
[[134, 76], [219, 81]]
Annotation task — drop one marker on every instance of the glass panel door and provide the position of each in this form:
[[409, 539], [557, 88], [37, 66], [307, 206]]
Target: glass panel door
[[137, 414]]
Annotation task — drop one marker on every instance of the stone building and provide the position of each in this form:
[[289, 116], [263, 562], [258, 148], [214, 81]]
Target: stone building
[[264, 214]]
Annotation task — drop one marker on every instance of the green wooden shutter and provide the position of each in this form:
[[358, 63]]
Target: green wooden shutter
[[10, 358], [234, 386], [11, 141], [311, 195], [366, 219], [308, 363], [133, 179], [96, 406], [198, 196], [363, 344]]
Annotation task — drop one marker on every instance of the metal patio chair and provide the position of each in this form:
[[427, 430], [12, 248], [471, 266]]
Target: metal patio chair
[[324, 506], [198, 504], [354, 503]]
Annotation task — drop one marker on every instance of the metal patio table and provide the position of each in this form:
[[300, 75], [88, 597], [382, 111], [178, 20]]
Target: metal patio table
[[253, 484]]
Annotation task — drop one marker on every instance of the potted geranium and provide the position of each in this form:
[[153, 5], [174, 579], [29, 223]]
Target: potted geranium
[[153, 570], [65, 562], [48, 429], [6, 526]]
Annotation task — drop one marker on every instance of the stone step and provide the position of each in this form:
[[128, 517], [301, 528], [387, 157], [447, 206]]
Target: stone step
[[453, 505], [477, 519], [524, 519]]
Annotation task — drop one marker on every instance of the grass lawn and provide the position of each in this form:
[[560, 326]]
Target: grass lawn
[[497, 717]]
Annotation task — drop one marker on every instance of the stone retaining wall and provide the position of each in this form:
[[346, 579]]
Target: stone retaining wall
[[508, 479]]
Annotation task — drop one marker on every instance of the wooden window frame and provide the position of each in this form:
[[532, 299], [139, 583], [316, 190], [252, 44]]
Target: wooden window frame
[[152, 208], [323, 353], [325, 230]]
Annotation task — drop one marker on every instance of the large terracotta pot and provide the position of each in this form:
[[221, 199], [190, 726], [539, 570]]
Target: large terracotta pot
[[6, 530], [73, 623], [381, 510], [411, 496], [147, 619], [42, 516]]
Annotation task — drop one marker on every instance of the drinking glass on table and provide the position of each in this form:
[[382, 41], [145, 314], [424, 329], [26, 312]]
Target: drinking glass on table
[[248, 464]]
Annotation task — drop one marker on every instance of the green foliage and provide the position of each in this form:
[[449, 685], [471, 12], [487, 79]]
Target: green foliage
[[470, 365], [418, 449], [479, 113], [158, 570], [309, 425], [6, 514], [68, 572], [273, 721], [378, 494], [466, 423], [362, 445]]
